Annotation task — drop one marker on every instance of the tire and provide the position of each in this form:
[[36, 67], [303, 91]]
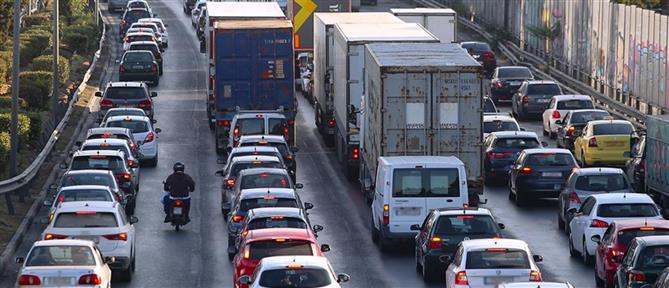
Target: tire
[[583, 164], [599, 282], [156, 82], [160, 69], [520, 199], [561, 223], [572, 252], [130, 207], [587, 258], [544, 131], [512, 196], [429, 273], [125, 275], [419, 268], [375, 233]]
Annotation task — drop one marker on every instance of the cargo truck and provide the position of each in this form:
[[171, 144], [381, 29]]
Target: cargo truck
[[349, 64], [656, 153], [324, 63], [422, 99], [442, 22], [253, 70]]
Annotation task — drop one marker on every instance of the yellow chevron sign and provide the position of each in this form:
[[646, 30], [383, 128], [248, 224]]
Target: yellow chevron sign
[[308, 7]]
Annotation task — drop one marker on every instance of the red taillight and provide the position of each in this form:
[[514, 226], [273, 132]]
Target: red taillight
[[124, 176], [386, 214], [596, 223], [499, 83], [526, 99], [355, 153], [573, 197], [126, 39], [637, 276], [235, 132], [90, 279], [592, 142], [494, 155], [29, 280], [535, 276], [291, 122], [526, 171], [49, 236], [570, 131], [435, 243], [237, 218], [224, 123], [230, 183], [556, 114], [331, 123], [461, 278], [285, 130], [119, 236], [145, 104], [149, 137], [106, 103], [178, 203], [614, 253], [121, 68], [131, 162], [60, 199], [488, 54], [154, 68]]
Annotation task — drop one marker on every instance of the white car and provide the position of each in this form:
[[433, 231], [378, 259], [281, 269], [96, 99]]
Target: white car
[[258, 123], [153, 27], [489, 262], [81, 193], [139, 4], [535, 285], [162, 27], [558, 108], [64, 263], [499, 122], [104, 223], [597, 211], [294, 271], [195, 13], [143, 132], [138, 36]]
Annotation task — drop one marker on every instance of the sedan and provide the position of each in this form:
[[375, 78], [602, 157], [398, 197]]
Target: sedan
[[539, 173], [294, 271], [161, 27], [123, 112], [506, 81], [482, 53], [143, 131], [81, 193], [139, 65], [571, 125]]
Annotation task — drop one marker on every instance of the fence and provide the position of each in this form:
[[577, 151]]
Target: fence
[[619, 50]]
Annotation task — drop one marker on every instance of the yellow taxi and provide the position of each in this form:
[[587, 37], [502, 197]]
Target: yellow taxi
[[604, 142]]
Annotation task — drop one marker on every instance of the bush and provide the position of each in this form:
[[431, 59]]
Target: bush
[[23, 126], [34, 88], [33, 42], [43, 18], [75, 39], [6, 103], [45, 63]]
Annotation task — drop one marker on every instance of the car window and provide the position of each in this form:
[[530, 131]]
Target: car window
[[276, 126], [86, 179], [134, 15], [85, 219], [61, 256], [574, 104], [489, 106], [606, 238], [550, 159], [466, 225], [516, 143], [499, 125], [584, 117], [251, 126], [654, 257], [264, 180], [443, 183], [543, 89], [130, 93], [434, 182], [629, 255], [123, 148], [626, 236], [287, 247], [239, 166], [248, 204], [587, 206], [124, 112], [134, 126], [282, 147], [97, 162], [477, 47], [151, 48], [498, 259], [137, 38], [294, 278], [627, 210], [84, 195], [523, 73], [611, 182], [276, 222], [457, 257], [613, 129]]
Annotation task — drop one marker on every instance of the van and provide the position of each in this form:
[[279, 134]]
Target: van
[[408, 187], [260, 123]]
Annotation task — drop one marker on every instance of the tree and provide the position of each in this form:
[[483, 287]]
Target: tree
[[645, 4]]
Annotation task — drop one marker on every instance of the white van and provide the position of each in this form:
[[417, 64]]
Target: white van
[[408, 187]]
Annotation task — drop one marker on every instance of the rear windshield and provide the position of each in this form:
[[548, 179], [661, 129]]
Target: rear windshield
[[123, 148], [625, 236], [138, 57], [265, 180], [123, 112], [523, 73], [147, 47], [130, 93], [85, 220], [613, 129], [87, 179], [262, 249], [584, 117], [97, 162], [295, 278], [251, 126], [574, 104], [137, 4], [431, 182], [499, 125], [276, 222], [551, 159], [134, 15], [627, 210], [84, 195], [61, 256], [543, 89], [654, 257], [476, 47], [283, 149], [248, 204], [255, 153], [134, 126], [611, 182], [246, 165], [516, 143], [498, 259], [276, 126], [466, 225], [135, 38]]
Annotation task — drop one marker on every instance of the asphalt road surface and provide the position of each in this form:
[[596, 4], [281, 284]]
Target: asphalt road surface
[[196, 256]]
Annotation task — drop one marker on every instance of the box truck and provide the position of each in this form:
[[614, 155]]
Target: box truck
[[442, 22], [656, 155]]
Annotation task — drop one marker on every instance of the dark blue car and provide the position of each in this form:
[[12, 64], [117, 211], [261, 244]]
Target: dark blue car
[[540, 173], [502, 149]]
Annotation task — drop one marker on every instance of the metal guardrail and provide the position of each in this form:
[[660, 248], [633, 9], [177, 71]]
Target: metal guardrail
[[24, 178]]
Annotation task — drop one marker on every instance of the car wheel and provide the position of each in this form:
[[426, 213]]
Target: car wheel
[[133, 264], [587, 259], [429, 273], [521, 198], [375, 233], [544, 131], [553, 135], [130, 207], [512, 196], [419, 268], [572, 250], [125, 275], [599, 282], [561, 223]]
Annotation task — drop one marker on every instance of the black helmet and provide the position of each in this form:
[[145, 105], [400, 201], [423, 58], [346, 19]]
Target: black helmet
[[179, 167]]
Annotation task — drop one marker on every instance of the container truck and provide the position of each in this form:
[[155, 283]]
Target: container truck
[[349, 64], [442, 22], [422, 99], [253, 70], [656, 152], [324, 63]]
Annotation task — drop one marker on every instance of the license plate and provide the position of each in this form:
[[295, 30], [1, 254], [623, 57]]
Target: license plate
[[407, 211], [514, 83], [59, 281], [137, 67], [94, 239], [177, 211], [551, 174], [497, 280], [543, 100], [615, 143], [557, 187]]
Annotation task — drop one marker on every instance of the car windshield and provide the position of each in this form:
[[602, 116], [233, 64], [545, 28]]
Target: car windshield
[[516, 143], [477, 47], [97, 162], [265, 180], [279, 247], [543, 89], [85, 219], [251, 126], [239, 166], [499, 125], [130, 93], [625, 236], [498, 258], [295, 278], [248, 204], [134, 126], [123, 148], [136, 38], [655, 257], [61, 256], [276, 222], [254, 153], [84, 195], [627, 210], [610, 182], [516, 72], [137, 4], [574, 104], [124, 112], [613, 129], [87, 179], [584, 117], [466, 225], [276, 126], [420, 182], [551, 159]]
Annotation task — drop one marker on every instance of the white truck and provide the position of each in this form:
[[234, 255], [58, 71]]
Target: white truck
[[422, 99], [442, 22], [349, 75], [324, 25]]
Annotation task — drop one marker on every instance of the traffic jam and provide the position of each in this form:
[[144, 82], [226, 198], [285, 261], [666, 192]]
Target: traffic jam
[[423, 123]]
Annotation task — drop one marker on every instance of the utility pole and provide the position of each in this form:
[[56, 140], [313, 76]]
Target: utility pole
[[13, 127], [55, 79]]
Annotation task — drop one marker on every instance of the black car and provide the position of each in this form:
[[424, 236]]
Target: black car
[[572, 124], [533, 97], [139, 65], [540, 173], [127, 95], [131, 16], [636, 166], [645, 259], [502, 149], [482, 52], [150, 46], [506, 81], [441, 232]]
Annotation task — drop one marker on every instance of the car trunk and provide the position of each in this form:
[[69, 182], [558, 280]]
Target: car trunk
[[91, 234], [59, 276], [492, 277]]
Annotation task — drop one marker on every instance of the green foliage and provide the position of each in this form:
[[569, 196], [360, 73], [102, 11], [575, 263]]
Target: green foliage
[[645, 4], [71, 9], [546, 32], [23, 126], [33, 43], [6, 103], [5, 66], [45, 63], [41, 18], [35, 89]]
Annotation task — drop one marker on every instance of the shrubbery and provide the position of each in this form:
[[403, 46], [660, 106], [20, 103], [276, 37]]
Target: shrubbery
[[42, 18], [34, 88], [33, 43], [45, 63], [6, 103], [23, 126]]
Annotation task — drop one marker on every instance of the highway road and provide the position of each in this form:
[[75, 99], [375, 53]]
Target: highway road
[[196, 257]]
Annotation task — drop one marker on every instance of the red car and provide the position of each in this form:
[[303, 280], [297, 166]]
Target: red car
[[615, 241], [269, 242]]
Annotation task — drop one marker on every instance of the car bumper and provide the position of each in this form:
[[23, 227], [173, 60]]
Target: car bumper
[[608, 158], [120, 263], [503, 94], [542, 187], [149, 150], [533, 109], [138, 76], [385, 231]]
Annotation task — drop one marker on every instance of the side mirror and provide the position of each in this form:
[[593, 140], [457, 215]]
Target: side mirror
[[558, 122], [341, 278], [317, 228], [219, 173], [245, 280], [325, 248], [110, 259], [544, 143], [299, 186], [19, 260], [308, 206], [154, 121], [596, 238], [98, 93], [501, 226], [294, 149], [62, 165], [133, 219], [446, 259], [537, 258], [415, 227], [154, 94], [158, 130], [572, 211]]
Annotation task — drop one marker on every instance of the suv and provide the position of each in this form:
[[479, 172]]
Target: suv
[[502, 149], [126, 94], [507, 80], [279, 142], [151, 46], [533, 97], [139, 65], [645, 258], [482, 53], [143, 130]]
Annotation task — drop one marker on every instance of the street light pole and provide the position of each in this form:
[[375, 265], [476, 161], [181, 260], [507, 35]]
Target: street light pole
[[55, 79], [13, 126]]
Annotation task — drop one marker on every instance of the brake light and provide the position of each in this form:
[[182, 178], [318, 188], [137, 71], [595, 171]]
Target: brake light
[[85, 213], [526, 99], [494, 155], [106, 103], [571, 130], [386, 214], [465, 217], [556, 114], [178, 203], [126, 39], [294, 266], [154, 68], [526, 170], [285, 130], [49, 236], [236, 132], [237, 218], [291, 122], [276, 217], [230, 183], [331, 123], [435, 243], [119, 236], [224, 123], [499, 83], [355, 153], [647, 228], [461, 278], [596, 223], [60, 199], [149, 137], [592, 142], [535, 276], [636, 276], [573, 197], [488, 54], [247, 252], [121, 68], [125, 176], [29, 280], [145, 104], [90, 279], [496, 250], [613, 253], [131, 162]]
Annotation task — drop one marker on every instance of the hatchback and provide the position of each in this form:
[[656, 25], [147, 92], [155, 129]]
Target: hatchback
[[126, 95], [502, 149], [294, 271], [570, 127], [288, 152], [81, 193], [559, 106], [162, 27], [533, 97], [539, 173], [142, 130], [139, 65], [114, 161], [264, 178], [506, 80], [150, 46], [499, 122], [645, 259], [138, 36], [253, 151], [252, 123], [112, 133], [89, 177]]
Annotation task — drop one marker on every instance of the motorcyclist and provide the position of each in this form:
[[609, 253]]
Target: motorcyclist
[[178, 184]]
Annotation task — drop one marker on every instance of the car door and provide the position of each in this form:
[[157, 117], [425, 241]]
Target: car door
[[548, 112], [626, 264], [580, 220], [423, 236], [603, 249], [407, 199], [580, 142]]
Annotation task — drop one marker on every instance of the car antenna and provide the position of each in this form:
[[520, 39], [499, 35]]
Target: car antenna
[[645, 221]]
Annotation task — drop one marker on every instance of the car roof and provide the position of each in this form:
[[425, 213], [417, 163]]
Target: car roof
[[126, 84], [546, 150], [418, 160], [537, 82], [136, 9], [98, 152], [97, 206], [598, 171], [611, 121], [498, 116], [64, 242], [261, 192], [512, 67], [640, 222], [254, 148], [88, 171], [463, 211], [613, 198], [587, 111], [283, 261], [479, 244], [82, 187], [128, 118], [113, 130], [139, 34], [131, 108], [513, 134], [254, 171], [252, 158], [276, 211], [256, 138], [654, 240], [571, 97], [151, 19], [279, 233], [250, 115]]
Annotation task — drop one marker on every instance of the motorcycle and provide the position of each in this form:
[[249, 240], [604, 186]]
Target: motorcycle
[[177, 213]]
